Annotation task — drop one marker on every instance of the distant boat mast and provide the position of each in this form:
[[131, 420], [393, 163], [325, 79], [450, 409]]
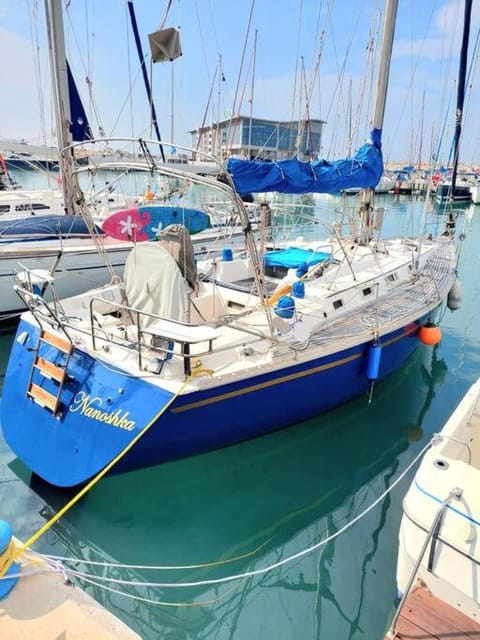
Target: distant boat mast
[[462, 72]]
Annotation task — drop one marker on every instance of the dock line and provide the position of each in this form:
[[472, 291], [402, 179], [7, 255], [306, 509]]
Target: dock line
[[38, 534], [98, 580]]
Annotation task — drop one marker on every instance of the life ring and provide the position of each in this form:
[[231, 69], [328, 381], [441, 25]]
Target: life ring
[[278, 294]]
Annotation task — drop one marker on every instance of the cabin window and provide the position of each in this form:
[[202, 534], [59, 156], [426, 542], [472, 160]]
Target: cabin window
[[235, 305], [4, 208], [391, 277], [29, 207], [337, 304], [367, 291]]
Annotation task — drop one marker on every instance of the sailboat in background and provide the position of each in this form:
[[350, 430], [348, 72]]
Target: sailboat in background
[[457, 188], [63, 244], [69, 128], [185, 356]]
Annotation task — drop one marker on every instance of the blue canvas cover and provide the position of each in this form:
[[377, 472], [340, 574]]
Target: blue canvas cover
[[294, 257], [364, 170], [44, 228]]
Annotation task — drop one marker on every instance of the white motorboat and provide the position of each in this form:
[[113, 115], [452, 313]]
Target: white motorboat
[[439, 549]]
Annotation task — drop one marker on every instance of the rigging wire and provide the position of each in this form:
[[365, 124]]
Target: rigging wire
[[295, 77], [340, 70], [86, 70], [414, 69], [130, 84], [214, 28], [368, 81], [202, 40], [33, 20], [164, 17], [242, 59]]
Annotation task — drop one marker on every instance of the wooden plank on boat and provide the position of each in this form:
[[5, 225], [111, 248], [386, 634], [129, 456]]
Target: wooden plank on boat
[[424, 616], [50, 370], [60, 343], [44, 398]]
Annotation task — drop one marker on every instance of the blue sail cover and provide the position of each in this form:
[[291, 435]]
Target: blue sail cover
[[44, 228], [79, 127], [364, 170]]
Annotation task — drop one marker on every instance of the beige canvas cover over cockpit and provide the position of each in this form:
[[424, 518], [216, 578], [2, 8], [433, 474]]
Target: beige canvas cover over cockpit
[[154, 283]]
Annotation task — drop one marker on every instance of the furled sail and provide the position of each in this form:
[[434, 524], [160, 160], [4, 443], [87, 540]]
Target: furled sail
[[364, 170], [79, 127]]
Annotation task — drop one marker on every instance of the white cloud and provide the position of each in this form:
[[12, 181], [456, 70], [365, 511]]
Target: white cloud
[[429, 48], [449, 18], [445, 34]]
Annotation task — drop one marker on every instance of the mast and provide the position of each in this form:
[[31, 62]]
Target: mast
[[59, 73], [172, 105], [462, 72], [420, 143], [385, 58], [366, 206], [146, 82]]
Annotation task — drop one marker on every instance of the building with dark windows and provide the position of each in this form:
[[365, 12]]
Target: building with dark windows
[[257, 138]]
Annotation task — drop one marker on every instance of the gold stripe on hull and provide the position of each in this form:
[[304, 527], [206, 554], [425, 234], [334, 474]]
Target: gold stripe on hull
[[292, 376]]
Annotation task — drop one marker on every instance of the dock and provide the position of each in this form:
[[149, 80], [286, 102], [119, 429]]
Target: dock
[[425, 617], [43, 606]]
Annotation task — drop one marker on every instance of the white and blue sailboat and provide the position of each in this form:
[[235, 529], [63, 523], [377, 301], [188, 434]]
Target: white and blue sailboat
[[183, 362]]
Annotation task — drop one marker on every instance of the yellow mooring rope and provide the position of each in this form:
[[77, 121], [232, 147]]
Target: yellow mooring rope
[[92, 483], [7, 557]]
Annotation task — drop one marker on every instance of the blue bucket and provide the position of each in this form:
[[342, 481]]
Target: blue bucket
[[298, 289], [301, 270], [227, 254], [285, 307]]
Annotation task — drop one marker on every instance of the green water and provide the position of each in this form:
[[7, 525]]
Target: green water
[[264, 500]]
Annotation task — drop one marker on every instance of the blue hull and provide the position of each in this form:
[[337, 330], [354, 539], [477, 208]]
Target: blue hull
[[104, 408], [34, 163]]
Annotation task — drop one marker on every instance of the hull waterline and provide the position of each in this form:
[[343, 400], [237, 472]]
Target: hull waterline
[[104, 408]]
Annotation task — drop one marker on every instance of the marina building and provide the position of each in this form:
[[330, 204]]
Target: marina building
[[255, 137]]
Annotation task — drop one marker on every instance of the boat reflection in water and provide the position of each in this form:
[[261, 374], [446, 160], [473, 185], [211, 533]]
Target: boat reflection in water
[[260, 502]]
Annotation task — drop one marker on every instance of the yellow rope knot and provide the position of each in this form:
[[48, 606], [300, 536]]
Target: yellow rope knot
[[7, 557], [198, 370], [202, 371]]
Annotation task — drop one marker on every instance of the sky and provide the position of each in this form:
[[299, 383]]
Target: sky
[[321, 48]]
